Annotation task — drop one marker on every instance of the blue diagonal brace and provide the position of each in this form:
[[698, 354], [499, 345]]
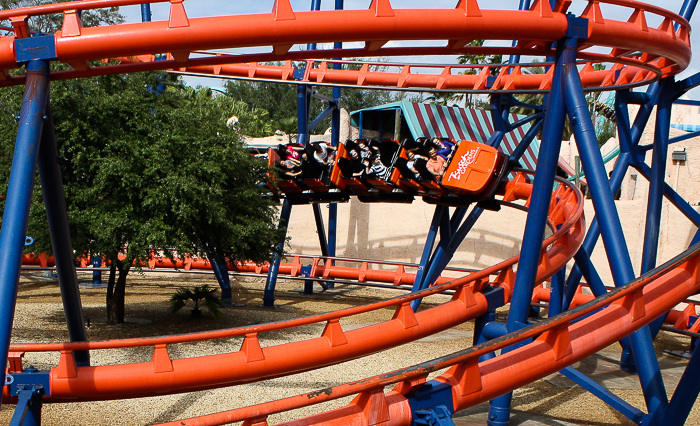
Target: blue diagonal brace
[[19, 195]]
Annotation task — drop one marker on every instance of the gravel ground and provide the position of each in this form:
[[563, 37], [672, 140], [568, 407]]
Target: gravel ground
[[39, 318]]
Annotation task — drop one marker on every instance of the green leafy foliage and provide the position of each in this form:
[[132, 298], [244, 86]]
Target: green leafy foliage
[[196, 298], [147, 169]]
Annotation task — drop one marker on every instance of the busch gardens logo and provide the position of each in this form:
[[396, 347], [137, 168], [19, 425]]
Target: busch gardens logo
[[468, 158]]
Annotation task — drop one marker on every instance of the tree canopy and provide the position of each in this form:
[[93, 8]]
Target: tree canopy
[[147, 169]]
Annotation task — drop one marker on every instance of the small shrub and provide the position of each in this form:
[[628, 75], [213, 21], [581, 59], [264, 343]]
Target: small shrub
[[196, 298]]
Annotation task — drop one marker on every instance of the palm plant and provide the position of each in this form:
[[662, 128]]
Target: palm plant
[[197, 298]]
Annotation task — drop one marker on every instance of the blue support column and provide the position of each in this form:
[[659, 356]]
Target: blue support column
[[499, 411], [629, 140], [428, 246], [527, 140], [657, 181], [28, 410], [332, 228], [613, 238], [57, 215], [542, 191], [96, 262], [672, 196], [145, 12], [449, 242], [587, 269], [514, 59], [19, 195], [685, 395], [323, 242], [302, 114], [269, 294], [556, 293], [335, 141], [631, 412], [687, 10], [320, 229], [592, 235]]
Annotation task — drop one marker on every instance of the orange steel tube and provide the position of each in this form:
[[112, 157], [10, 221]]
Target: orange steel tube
[[559, 341], [319, 26], [183, 35]]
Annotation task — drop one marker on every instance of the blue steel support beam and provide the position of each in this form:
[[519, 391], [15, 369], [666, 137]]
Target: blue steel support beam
[[28, 410], [613, 238], [657, 181], [302, 114], [631, 412], [682, 138], [686, 11], [527, 140], [499, 411], [683, 86], [320, 229], [593, 233], [672, 196], [145, 12], [541, 192], [19, 195], [428, 248], [587, 269], [269, 294], [525, 120], [322, 116], [629, 139], [685, 395], [514, 59], [448, 246], [441, 255], [556, 293], [601, 194], [446, 224], [335, 141], [57, 215], [332, 228]]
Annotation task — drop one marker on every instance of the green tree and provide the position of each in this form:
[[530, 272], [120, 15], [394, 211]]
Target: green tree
[[143, 169], [275, 100]]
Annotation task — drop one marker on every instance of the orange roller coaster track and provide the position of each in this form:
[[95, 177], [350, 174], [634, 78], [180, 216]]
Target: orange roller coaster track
[[647, 52]]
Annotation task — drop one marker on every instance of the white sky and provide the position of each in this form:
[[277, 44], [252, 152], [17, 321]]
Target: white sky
[[202, 8]]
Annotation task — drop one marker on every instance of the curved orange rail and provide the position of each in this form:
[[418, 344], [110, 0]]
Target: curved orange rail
[[558, 342], [647, 52], [252, 362]]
